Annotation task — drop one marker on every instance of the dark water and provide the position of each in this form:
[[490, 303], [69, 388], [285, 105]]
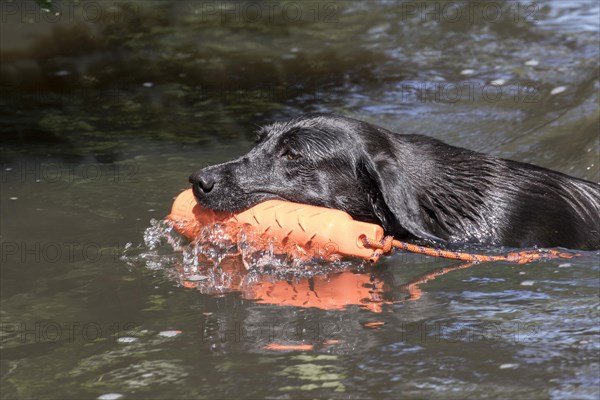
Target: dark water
[[107, 108]]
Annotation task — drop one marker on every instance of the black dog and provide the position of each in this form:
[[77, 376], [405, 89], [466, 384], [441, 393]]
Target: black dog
[[414, 186]]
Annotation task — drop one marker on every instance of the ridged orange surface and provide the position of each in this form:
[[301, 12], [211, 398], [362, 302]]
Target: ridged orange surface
[[307, 226]]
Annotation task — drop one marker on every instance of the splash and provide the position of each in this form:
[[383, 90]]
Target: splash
[[226, 258]]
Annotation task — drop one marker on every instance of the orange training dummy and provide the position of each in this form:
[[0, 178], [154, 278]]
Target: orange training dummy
[[305, 225]]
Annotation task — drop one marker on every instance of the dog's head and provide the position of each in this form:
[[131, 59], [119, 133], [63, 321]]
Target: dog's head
[[323, 160]]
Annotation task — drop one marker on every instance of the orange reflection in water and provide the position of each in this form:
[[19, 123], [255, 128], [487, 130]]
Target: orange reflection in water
[[325, 292], [335, 291]]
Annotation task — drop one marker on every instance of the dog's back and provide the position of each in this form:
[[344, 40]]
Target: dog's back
[[474, 197]]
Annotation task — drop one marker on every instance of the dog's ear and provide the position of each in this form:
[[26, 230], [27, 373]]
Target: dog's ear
[[393, 198]]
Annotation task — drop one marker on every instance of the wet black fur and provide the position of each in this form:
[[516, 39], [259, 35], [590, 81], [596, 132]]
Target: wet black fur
[[414, 186]]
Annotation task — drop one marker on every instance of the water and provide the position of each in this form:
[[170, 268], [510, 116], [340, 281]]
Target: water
[[103, 119]]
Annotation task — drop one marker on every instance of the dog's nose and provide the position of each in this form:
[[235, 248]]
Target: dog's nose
[[206, 183], [203, 182]]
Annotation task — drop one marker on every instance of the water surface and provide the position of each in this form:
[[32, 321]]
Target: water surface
[[103, 118]]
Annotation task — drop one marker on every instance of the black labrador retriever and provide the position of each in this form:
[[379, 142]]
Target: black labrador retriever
[[415, 186]]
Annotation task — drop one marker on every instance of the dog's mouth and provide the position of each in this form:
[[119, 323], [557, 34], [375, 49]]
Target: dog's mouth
[[234, 203]]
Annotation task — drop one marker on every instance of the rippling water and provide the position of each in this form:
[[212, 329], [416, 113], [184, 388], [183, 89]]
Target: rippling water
[[103, 117]]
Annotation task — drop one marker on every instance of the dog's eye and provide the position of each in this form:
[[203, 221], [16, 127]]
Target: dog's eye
[[291, 155]]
